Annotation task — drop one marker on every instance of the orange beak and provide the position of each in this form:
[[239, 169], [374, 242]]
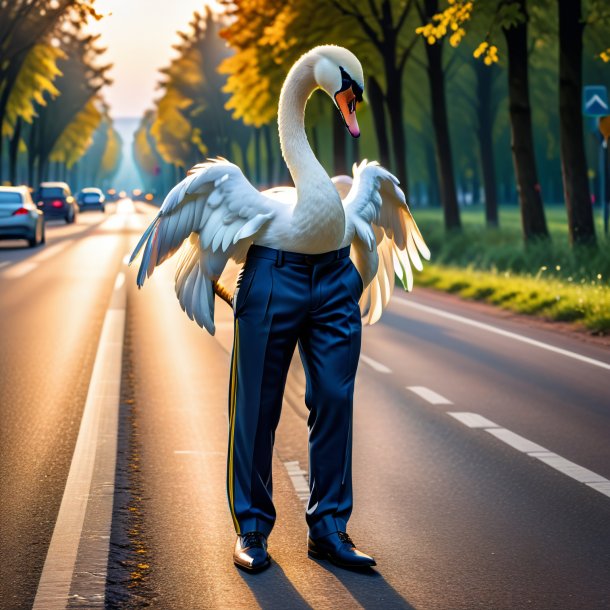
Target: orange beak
[[346, 102]]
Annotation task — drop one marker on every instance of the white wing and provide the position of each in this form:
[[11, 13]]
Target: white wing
[[382, 232], [219, 212]]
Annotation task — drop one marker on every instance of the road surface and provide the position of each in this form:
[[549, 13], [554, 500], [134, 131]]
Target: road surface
[[481, 453]]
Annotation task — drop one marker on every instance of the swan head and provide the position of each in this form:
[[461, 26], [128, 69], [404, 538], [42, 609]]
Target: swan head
[[338, 72]]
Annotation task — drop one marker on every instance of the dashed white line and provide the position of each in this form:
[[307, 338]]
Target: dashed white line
[[299, 482], [534, 450], [515, 440], [376, 366], [94, 458], [431, 396], [504, 333], [473, 420]]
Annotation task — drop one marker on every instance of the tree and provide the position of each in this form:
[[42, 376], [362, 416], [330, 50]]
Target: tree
[[512, 18], [82, 78], [25, 24], [436, 80]]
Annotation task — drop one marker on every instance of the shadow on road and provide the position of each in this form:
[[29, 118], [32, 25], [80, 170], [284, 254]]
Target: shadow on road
[[368, 587], [272, 589]]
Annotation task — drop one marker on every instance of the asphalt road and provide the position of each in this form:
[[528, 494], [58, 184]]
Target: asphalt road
[[481, 454]]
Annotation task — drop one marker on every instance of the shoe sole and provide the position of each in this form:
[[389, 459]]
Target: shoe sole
[[321, 555]]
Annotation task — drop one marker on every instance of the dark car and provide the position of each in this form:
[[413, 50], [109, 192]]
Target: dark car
[[91, 198], [56, 201], [19, 217]]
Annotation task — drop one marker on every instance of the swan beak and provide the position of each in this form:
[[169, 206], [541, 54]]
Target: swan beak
[[346, 102]]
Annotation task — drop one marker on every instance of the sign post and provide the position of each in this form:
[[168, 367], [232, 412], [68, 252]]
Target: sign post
[[595, 104]]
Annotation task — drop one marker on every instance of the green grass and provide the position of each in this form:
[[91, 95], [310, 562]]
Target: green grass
[[546, 278]]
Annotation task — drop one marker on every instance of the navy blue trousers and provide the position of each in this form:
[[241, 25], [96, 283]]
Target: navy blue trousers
[[284, 299]]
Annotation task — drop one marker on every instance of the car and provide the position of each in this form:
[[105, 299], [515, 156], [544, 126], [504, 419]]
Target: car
[[56, 201], [19, 216], [91, 198]]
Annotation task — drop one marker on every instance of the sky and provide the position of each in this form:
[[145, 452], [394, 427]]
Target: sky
[[139, 35]]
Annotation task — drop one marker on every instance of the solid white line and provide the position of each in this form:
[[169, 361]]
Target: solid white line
[[377, 366], [429, 395], [299, 482], [473, 420], [515, 441], [504, 333], [97, 436]]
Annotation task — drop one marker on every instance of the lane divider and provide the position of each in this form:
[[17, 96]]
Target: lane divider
[[430, 395], [298, 478], [505, 333], [376, 366], [85, 513], [534, 450]]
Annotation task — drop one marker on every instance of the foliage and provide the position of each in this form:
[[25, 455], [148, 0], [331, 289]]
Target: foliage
[[77, 137], [34, 81], [555, 299]]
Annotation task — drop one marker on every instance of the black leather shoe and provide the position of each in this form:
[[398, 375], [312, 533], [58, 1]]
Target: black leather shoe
[[340, 550], [250, 552]]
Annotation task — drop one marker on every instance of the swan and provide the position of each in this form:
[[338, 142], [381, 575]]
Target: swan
[[215, 214]]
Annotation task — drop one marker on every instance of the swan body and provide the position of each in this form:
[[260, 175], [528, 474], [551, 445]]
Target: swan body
[[215, 214]]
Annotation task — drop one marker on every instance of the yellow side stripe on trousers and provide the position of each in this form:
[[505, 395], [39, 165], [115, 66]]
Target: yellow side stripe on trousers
[[233, 397]]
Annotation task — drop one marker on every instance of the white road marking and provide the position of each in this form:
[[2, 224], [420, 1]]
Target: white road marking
[[504, 333], [429, 395], [24, 267], [19, 270], [377, 366], [95, 446], [51, 251], [120, 280], [126, 259], [473, 420], [4, 264], [583, 475], [515, 441], [299, 482], [603, 488], [570, 469], [187, 452]]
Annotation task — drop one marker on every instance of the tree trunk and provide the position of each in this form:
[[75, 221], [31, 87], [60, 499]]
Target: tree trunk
[[399, 142], [524, 160], [269, 152], [436, 79], [484, 76], [573, 159], [339, 144], [381, 131], [257, 156], [14, 152]]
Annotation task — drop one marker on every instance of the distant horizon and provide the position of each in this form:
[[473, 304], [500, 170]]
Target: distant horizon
[[138, 36]]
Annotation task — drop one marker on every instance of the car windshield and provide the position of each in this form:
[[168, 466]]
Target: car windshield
[[10, 197], [51, 191], [91, 198]]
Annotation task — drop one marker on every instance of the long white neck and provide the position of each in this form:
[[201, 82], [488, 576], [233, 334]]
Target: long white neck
[[304, 168]]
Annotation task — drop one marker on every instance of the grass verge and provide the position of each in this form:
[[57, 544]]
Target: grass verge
[[586, 303], [547, 278]]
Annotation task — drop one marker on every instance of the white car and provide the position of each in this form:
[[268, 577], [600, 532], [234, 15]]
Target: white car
[[20, 218]]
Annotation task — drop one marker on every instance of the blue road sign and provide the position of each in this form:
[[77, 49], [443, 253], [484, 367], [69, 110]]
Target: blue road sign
[[595, 101]]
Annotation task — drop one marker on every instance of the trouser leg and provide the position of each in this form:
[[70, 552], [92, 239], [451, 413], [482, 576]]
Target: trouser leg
[[265, 339], [330, 348]]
